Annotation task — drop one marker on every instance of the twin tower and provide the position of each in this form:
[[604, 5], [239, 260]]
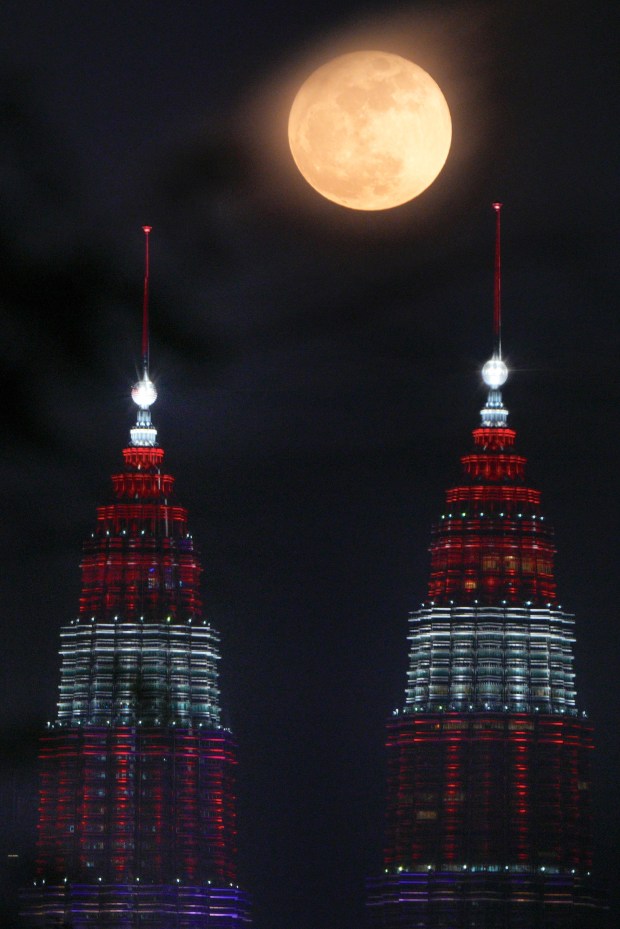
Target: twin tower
[[488, 772]]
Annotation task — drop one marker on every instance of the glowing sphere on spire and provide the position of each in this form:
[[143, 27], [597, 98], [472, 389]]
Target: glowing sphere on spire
[[144, 393], [494, 373]]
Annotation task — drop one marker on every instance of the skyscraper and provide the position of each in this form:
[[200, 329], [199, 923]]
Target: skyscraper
[[488, 770], [137, 811]]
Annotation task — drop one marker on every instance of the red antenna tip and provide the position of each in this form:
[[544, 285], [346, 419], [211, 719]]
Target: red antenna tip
[[146, 229], [496, 206]]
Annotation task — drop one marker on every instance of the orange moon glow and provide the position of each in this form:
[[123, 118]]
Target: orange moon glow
[[370, 130]]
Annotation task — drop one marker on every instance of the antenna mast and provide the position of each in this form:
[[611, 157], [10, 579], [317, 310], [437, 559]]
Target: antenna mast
[[145, 303], [495, 372], [497, 291], [144, 393]]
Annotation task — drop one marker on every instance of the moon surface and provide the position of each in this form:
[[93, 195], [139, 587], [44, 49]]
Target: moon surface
[[370, 130]]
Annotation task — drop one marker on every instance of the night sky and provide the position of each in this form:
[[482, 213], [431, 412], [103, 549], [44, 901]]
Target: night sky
[[318, 371]]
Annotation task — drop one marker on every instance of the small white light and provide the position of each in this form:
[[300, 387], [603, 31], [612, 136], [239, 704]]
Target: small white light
[[494, 373]]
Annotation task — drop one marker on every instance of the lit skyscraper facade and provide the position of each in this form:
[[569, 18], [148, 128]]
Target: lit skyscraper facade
[[137, 810], [488, 763]]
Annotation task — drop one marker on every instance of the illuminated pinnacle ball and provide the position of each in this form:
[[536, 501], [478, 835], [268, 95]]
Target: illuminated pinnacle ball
[[144, 393], [370, 130], [494, 373]]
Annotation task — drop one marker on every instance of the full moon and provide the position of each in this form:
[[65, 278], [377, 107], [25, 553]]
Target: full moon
[[370, 130]]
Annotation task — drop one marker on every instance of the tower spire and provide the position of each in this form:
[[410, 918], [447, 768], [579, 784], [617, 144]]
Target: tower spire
[[495, 372], [145, 303], [497, 289], [144, 393]]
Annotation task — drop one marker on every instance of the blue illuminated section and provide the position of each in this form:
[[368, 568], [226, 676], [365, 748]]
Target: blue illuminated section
[[483, 897], [156, 906]]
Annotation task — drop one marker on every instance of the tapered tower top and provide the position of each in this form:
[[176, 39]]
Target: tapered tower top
[[493, 546]]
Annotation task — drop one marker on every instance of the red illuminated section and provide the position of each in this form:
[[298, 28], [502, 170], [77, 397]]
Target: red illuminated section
[[493, 544], [495, 790], [140, 564], [122, 803]]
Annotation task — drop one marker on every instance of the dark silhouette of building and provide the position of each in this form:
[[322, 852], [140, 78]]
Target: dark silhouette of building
[[488, 764], [137, 811]]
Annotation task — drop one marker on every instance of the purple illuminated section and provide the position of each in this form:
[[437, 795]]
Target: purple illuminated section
[[125, 906], [493, 897]]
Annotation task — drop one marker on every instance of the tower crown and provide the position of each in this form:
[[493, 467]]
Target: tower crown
[[492, 545], [491, 583]]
